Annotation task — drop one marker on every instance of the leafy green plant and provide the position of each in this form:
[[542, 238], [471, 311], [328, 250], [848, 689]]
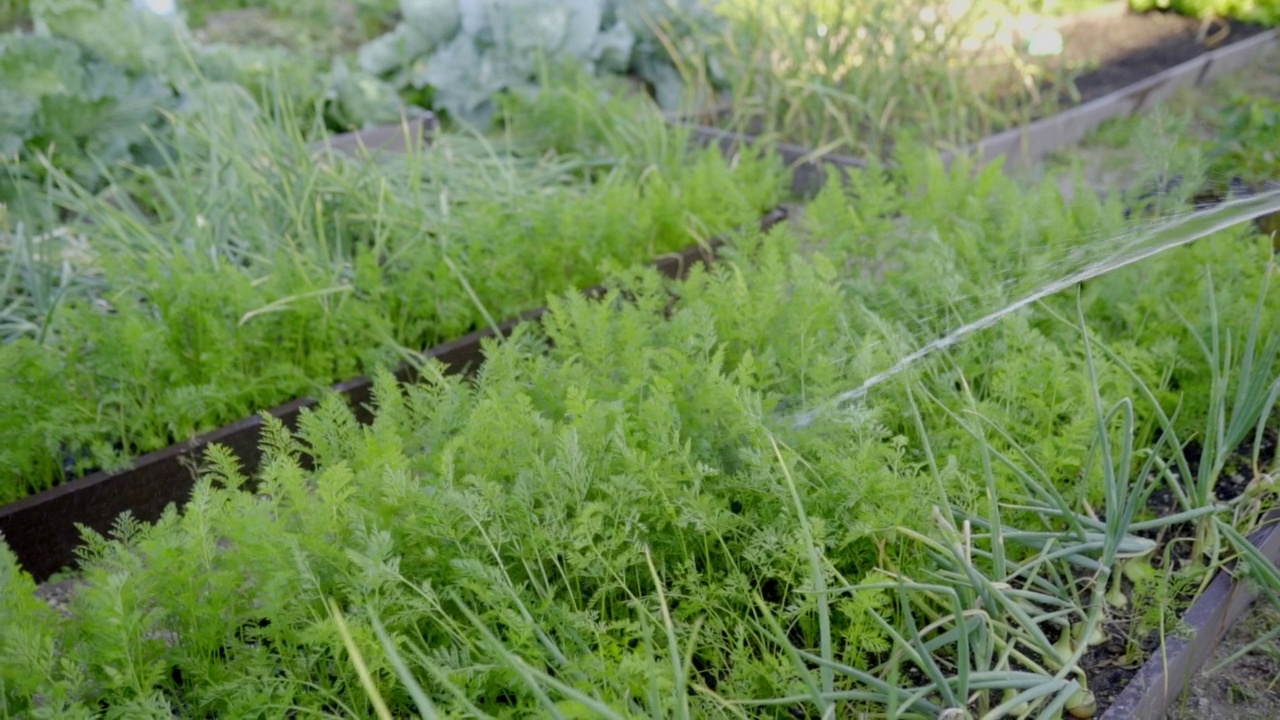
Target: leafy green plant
[[62, 99], [319, 11], [86, 92], [466, 54], [13, 12]]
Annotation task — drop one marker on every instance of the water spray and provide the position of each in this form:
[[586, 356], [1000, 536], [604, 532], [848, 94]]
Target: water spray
[[1166, 236]]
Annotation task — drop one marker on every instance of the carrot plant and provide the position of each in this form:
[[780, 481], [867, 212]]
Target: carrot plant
[[248, 268], [619, 517]]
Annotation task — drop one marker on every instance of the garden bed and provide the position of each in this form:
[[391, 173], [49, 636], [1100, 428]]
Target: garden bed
[[441, 226], [1149, 76], [1155, 688], [845, 467], [644, 423], [43, 529], [1226, 124], [1239, 679], [1124, 689], [1229, 125], [1116, 48]]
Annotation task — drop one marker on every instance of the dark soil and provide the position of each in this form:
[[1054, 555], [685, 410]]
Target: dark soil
[[1246, 689], [1125, 47]]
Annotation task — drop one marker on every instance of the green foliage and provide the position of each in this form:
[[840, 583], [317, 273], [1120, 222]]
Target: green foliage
[[1265, 12], [619, 511], [320, 28], [1053, 8], [60, 98], [530, 495], [13, 12], [28, 656], [1248, 145], [199, 12], [85, 93], [249, 269]]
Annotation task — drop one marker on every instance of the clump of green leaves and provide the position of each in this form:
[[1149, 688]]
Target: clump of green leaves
[[13, 12], [619, 449], [60, 98], [862, 76]]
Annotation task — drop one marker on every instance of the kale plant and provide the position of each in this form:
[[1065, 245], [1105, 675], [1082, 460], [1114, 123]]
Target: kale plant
[[62, 99], [86, 91]]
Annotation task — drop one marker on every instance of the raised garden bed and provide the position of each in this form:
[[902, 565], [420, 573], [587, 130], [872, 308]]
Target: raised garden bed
[[762, 306], [420, 268], [384, 138], [646, 451], [1217, 126], [1226, 124], [1160, 71], [1022, 146], [42, 529], [1225, 130]]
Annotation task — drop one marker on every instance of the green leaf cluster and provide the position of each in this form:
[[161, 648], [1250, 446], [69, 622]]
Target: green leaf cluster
[[59, 97]]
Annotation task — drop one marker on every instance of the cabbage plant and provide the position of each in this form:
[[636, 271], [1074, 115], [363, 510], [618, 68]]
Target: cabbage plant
[[466, 52]]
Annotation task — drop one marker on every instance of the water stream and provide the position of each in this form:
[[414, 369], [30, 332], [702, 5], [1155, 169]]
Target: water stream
[[1161, 238]]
